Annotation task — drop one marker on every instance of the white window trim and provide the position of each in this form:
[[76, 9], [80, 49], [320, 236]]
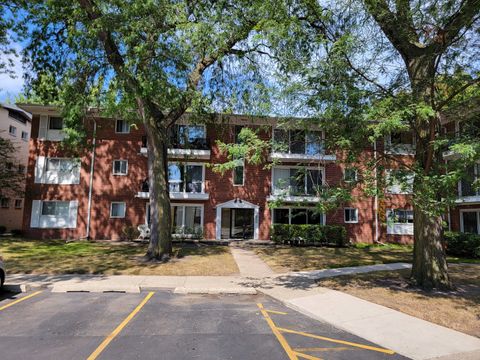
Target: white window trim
[[345, 215], [14, 133], [322, 138], [243, 177], [124, 209], [119, 173], [321, 168], [122, 132], [462, 211], [21, 204], [324, 216], [186, 164], [26, 136], [476, 170], [46, 172], [184, 205], [345, 172], [388, 189]]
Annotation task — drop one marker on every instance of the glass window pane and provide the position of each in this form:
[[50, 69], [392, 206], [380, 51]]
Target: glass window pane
[[175, 177], [314, 182], [314, 217], [238, 175], [196, 132], [280, 138], [53, 164], [56, 123], [177, 219], [299, 216], [194, 178], [297, 181], [192, 219], [48, 208], [470, 222], [297, 142], [280, 216], [281, 180], [314, 144]]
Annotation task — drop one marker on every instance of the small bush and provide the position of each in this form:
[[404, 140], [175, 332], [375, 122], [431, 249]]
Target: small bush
[[130, 233], [17, 232], [331, 235], [2, 229], [462, 244]]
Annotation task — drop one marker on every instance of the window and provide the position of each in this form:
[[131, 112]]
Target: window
[[187, 178], [297, 181], [400, 216], [299, 216], [189, 136], [351, 215], [401, 143], [120, 167], [350, 175], [18, 203], [238, 173], [117, 210], [298, 142], [12, 130], [187, 219], [57, 170], [55, 208], [468, 185], [55, 123], [25, 135], [399, 182], [122, 127], [470, 221], [5, 203], [21, 169]]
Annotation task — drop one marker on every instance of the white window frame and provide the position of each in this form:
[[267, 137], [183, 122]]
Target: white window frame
[[56, 202], [185, 205], [345, 173], [462, 211], [16, 202], [476, 172], [391, 189], [355, 210], [124, 209], [45, 178], [323, 215], [399, 228], [322, 139], [185, 164], [24, 136], [122, 132], [120, 173], [243, 177], [400, 149], [192, 125], [62, 221], [12, 130], [320, 168]]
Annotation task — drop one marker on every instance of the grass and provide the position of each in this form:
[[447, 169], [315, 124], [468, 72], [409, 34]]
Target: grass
[[284, 258], [458, 310], [58, 257]]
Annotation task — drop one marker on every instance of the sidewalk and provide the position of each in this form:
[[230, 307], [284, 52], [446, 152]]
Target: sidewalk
[[406, 335]]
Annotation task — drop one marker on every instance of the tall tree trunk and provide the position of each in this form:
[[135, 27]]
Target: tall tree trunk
[[160, 246], [429, 268]]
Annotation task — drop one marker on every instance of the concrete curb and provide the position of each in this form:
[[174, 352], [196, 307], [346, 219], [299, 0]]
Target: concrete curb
[[95, 288], [211, 291]]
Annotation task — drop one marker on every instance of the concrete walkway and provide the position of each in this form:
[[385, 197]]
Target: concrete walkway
[[249, 264]]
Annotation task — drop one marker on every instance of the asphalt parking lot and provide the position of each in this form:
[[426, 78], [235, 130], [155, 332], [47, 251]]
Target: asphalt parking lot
[[162, 325]]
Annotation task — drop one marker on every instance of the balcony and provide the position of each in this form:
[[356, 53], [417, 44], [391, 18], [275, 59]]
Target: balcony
[[198, 148], [468, 193], [193, 191]]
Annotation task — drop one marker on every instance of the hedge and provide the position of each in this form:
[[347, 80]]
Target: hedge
[[462, 244], [326, 235]]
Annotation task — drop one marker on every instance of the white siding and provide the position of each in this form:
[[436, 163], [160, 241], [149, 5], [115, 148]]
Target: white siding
[[36, 208], [43, 127]]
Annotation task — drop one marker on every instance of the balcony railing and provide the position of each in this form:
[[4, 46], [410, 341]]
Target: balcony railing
[[193, 190], [198, 148]]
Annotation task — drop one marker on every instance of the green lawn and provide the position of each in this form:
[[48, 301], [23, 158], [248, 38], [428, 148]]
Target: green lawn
[[284, 259], [59, 257]]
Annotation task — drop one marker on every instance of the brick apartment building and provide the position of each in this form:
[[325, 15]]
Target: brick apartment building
[[97, 193], [14, 126]]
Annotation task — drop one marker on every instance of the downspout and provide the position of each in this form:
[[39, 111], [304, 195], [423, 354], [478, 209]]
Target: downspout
[[89, 209], [376, 192]]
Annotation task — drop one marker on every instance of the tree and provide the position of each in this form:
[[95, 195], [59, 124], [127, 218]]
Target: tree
[[11, 179], [144, 61], [366, 69]]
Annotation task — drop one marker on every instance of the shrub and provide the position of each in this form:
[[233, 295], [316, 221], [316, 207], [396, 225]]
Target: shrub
[[462, 244], [332, 235], [130, 233], [2, 229], [17, 232]]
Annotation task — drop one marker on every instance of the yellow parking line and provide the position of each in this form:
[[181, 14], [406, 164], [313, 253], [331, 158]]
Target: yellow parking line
[[322, 349], [367, 347], [281, 339], [20, 300], [306, 356], [119, 328], [276, 312]]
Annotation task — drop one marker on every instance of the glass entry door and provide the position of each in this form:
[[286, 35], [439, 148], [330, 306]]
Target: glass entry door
[[242, 224]]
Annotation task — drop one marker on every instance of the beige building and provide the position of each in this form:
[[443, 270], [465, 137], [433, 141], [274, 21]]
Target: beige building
[[15, 125]]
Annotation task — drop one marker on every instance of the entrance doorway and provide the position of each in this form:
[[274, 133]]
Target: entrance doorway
[[237, 219]]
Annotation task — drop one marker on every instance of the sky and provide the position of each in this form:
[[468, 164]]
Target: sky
[[11, 87]]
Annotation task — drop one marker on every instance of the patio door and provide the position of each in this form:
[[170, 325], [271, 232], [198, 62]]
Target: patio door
[[242, 226]]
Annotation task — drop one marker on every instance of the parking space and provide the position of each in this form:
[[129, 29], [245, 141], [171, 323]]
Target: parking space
[[163, 325]]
